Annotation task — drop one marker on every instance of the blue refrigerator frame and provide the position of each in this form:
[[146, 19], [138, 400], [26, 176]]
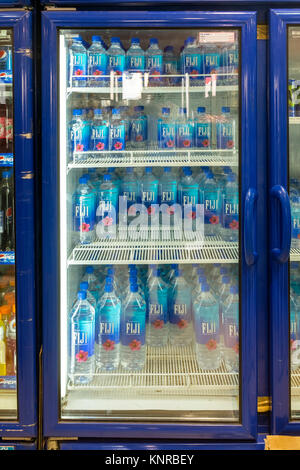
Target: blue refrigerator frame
[[25, 426], [53, 425], [278, 189]]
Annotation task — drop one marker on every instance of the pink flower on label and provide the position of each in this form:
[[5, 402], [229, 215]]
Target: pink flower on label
[[230, 144], [84, 227], [118, 72], [132, 210], [79, 147], [98, 72], [191, 215], [211, 344], [82, 356], [186, 143], [100, 146], [205, 143], [118, 145], [293, 345], [107, 221], [170, 210], [109, 345], [151, 210], [214, 220], [158, 324], [236, 348], [234, 225], [182, 324], [194, 72], [170, 143], [139, 138], [135, 345], [78, 72]]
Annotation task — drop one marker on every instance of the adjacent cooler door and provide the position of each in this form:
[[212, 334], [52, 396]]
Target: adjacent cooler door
[[149, 177]]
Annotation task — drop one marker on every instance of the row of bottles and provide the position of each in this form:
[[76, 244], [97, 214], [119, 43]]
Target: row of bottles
[[90, 65], [100, 202], [7, 221], [118, 129], [112, 321], [7, 326]]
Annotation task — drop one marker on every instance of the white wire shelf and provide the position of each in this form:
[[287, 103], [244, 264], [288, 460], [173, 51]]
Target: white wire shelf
[[155, 157], [295, 382], [155, 246], [294, 119], [295, 254], [170, 370]]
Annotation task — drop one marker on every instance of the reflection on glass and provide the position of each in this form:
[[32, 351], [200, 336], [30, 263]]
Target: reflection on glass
[[149, 139]]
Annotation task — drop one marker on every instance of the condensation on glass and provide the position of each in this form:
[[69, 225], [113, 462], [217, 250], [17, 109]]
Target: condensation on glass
[[8, 356], [149, 219]]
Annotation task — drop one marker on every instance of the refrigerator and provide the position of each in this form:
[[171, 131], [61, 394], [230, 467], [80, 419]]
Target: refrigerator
[[149, 194], [18, 371]]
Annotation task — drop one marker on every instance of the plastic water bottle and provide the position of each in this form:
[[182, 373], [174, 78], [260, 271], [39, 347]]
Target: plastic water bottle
[[203, 129], [295, 213], [124, 116], [84, 287], [139, 129], [93, 283], [157, 332], [212, 209], [149, 195], [167, 196], [99, 140], [207, 329], [223, 294], [184, 130], [129, 192], [192, 61], [84, 212], [225, 128], [116, 58], [97, 63], [108, 329], [295, 327], [133, 330], [77, 63], [117, 131], [135, 57], [188, 194], [180, 327], [107, 210], [154, 63], [82, 341], [231, 330], [211, 58], [230, 210], [230, 56], [170, 66], [166, 130], [79, 135]]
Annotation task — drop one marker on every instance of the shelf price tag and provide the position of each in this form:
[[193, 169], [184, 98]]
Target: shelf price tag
[[132, 86], [206, 37]]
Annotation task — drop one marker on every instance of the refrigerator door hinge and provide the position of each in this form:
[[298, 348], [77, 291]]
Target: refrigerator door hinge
[[262, 31], [264, 404], [282, 443], [53, 442]]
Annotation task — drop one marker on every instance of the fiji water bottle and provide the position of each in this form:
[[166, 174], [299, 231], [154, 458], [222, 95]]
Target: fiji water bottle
[[170, 66], [133, 330], [157, 299], [154, 63], [181, 330], [166, 130], [207, 329], [192, 61], [97, 63], [211, 59], [139, 129], [295, 327], [230, 58], [93, 283], [212, 209], [117, 131], [295, 213], [79, 135], [84, 286], [149, 194], [225, 128], [167, 196], [230, 210], [124, 115], [188, 194], [129, 193], [116, 58], [84, 212], [231, 330], [107, 210], [135, 57], [82, 341], [108, 329], [77, 63], [203, 129], [184, 130], [99, 139]]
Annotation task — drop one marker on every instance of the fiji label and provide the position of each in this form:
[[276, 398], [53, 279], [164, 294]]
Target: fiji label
[[225, 135], [231, 213], [168, 194], [189, 197], [78, 63], [139, 131], [185, 133], [136, 63], [84, 213], [166, 135], [231, 61], [231, 333], [203, 135], [211, 208], [158, 309], [108, 330], [80, 138], [181, 314], [193, 65], [154, 66], [100, 138], [207, 330], [149, 196], [97, 65], [133, 331], [117, 137], [83, 339], [170, 67], [211, 63], [296, 225], [107, 207], [117, 64]]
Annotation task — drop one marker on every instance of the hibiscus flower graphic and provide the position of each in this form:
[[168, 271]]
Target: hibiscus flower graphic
[[118, 72], [214, 220], [84, 227], [191, 215], [170, 143], [135, 345], [118, 145], [82, 356], [230, 144], [98, 72], [139, 138], [211, 344], [132, 210], [205, 143], [156, 74], [79, 147], [158, 324], [100, 146], [194, 72], [186, 143], [107, 221], [298, 236], [109, 345], [170, 210], [9, 212], [78, 72], [151, 210], [182, 323], [236, 348], [234, 225]]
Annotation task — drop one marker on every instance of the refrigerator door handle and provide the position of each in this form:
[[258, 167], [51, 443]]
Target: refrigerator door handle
[[250, 234], [282, 254]]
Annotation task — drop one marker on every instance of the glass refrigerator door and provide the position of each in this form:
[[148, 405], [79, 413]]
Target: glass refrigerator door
[[149, 142]]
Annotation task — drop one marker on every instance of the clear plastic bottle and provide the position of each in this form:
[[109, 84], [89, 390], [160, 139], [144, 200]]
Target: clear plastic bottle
[[82, 341], [84, 287], [97, 63], [84, 213], [230, 210], [139, 129], [149, 195], [184, 130], [207, 329], [108, 329], [117, 131], [133, 330], [116, 58], [135, 57], [203, 129], [154, 63], [157, 328], [188, 194], [212, 209], [230, 62], [99, 137], [130, 192], [167, 196], [211, 58], [231, 330], [77, 63], [192, 61], [166, 130], [225, 129], [170, 66], [180, 327], [107, 210], [94, 284], [79, 136]]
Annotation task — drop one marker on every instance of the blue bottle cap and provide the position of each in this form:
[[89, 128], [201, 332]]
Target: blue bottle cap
[[231, 177], [153, 41], [182, 110], [138, 108], [167, 169], [111, 271], [148, 169], [82, 179], [81, 295], [225, 109], [77, 112], [209, 175], [77, 39], [84, 285], [201, 109], [135, 41], [111, 169], [234, 289], [106, 177], [115, 39], [202, 279], [169, 49], [205, 287], [225, 280], [178, 272], [200, 271], [227, 170], [6, 174], [92, 170], [174, 266], [134, 287], [129, 169], [89, 269], [98, 111], [116, 111], [187, 171], [108, 287], [96, 39], [131, 265], [165, 110]]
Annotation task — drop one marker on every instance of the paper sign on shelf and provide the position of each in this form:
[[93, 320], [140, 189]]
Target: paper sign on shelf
[[216, 36], [132, 86]]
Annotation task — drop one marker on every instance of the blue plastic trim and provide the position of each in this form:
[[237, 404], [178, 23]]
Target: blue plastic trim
[[26, 425], [14, 3], [282, 254], [53, 425]]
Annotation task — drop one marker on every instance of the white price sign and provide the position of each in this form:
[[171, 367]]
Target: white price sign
[[132, 86], [206, 37]]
